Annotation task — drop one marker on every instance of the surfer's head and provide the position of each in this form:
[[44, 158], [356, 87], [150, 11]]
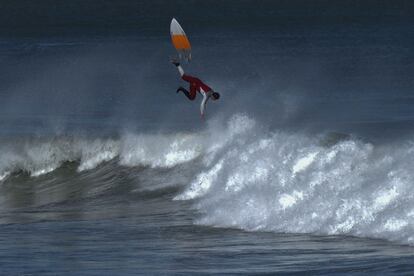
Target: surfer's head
[[215, 96]]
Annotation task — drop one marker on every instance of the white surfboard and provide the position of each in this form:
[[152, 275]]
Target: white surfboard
[[180, 40]]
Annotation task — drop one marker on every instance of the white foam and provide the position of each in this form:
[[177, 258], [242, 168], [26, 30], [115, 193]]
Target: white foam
[[42, 156], [202, 183], [304, 162], [159, 150], [4, 175], [261, 181], [288, 200], [97, 152]]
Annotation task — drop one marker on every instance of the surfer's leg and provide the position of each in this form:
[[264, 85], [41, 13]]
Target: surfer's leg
[[190, 79], [190, 94], [180, 70], [193, 85], [193, 92]]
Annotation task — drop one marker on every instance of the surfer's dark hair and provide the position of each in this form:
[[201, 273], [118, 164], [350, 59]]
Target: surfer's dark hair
[[216, 95]]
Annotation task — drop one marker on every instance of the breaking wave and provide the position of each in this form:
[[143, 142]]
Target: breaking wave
[[244, 176], [297, 184], [41, 156]]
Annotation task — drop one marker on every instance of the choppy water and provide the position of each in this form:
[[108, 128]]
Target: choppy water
[[303, 166]]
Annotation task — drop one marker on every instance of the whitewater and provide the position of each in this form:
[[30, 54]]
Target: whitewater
[[249, 178]]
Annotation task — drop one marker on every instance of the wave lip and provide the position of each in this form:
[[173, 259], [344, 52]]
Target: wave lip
[[42, 156], [159, 150]]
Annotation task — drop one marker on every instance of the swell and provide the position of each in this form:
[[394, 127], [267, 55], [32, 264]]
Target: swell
[[64, 171]]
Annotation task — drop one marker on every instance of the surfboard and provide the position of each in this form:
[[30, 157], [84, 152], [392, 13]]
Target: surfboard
[[180, 40]]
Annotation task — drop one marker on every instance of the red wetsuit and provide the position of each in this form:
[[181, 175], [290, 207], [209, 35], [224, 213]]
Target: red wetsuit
[[195, 85]]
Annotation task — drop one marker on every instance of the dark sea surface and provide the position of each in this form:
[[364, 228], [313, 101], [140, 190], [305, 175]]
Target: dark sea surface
[[304, 165]]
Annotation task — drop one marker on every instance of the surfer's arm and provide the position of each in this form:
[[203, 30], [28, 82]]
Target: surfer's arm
[[203, 103]]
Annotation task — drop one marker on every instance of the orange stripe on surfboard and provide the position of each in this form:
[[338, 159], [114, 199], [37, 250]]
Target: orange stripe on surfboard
[[181, 42]]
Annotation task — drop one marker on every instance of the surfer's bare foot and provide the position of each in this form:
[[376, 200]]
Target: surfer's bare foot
[[175, 61]]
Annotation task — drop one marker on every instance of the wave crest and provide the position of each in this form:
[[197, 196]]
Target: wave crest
[[240, 175]]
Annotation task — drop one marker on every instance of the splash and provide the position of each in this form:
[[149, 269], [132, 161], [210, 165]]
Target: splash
[[293, 183]]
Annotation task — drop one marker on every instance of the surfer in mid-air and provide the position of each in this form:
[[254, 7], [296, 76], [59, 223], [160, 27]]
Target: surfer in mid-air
[[195, 85], [183, 47]]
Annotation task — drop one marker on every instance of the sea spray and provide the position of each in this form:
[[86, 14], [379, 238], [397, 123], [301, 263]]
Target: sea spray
[[294, 183]]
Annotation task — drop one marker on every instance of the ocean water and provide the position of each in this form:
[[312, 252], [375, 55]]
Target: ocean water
[[304, 165]]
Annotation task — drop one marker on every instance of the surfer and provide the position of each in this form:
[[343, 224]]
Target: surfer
[[195, 85]]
